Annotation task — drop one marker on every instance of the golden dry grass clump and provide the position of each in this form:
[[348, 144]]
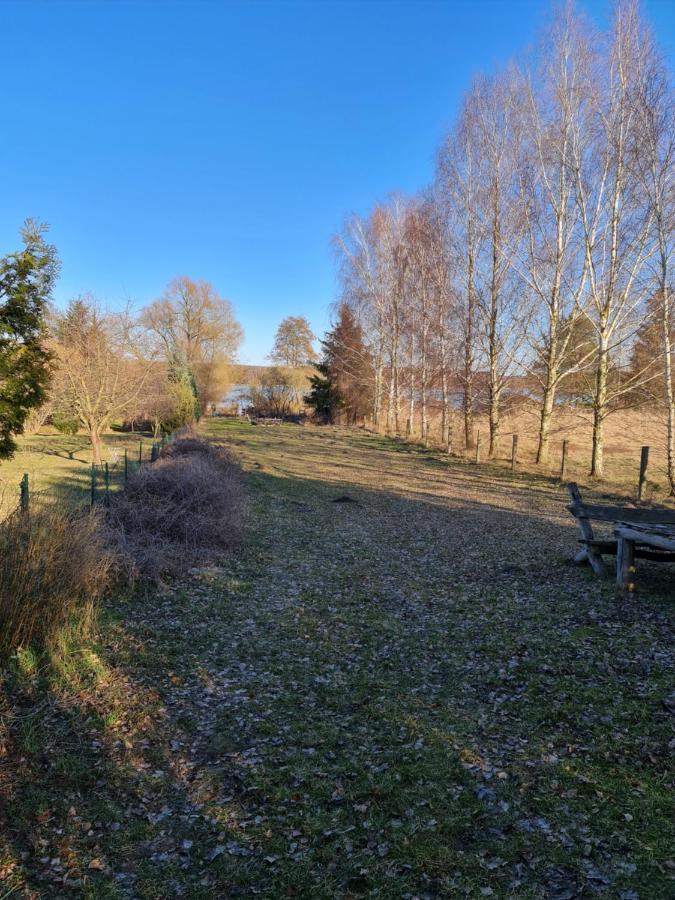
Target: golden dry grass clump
[[57, 560], [54, 565]]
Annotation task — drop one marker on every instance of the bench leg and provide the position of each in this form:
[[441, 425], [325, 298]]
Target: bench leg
[[625, 566], [593, 559], [587, 554]]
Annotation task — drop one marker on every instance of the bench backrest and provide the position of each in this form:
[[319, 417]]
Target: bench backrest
[[602, 513]]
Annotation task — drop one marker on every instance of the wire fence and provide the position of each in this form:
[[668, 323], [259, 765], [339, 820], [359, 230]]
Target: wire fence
[[95, 488]]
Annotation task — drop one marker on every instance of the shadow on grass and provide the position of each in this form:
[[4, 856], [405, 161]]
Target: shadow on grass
[[327, 712]]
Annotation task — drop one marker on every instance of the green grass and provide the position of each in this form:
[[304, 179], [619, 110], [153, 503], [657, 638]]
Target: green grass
[[60, 465], [411, 695]]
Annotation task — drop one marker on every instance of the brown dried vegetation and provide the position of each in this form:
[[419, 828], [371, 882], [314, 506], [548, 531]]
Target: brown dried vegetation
[[179, 512]]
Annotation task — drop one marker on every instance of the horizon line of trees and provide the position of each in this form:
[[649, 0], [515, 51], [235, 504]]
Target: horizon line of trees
[[85, 368], [541, 251]]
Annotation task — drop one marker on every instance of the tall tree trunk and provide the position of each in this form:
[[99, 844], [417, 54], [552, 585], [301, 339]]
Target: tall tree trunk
[[444, 390], [96, 445], [494, 386], [545, 423], [599, 409], [411, 399], [425, 418], [467, 399], [668, 390], [552, 360], [377, 399], [395, 384], [494, 419], [493, 336]]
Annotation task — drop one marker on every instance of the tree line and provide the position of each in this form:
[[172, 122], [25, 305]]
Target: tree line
[[86, 368], [537, 263]]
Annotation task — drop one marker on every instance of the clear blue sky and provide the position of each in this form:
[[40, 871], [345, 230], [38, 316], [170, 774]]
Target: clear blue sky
[[227, 141]]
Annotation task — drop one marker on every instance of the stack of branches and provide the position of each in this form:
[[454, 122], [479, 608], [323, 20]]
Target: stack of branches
[[181, 511]]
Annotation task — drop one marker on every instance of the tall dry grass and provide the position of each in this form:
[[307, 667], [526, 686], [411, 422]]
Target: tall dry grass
[[626, 431], [55, 563]]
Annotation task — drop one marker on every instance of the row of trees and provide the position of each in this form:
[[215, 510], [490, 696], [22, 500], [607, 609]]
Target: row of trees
[[539, 260], [87, 368]]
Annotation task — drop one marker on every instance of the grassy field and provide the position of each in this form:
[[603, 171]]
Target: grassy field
[[626, 432], [59, 464], [398, 687]]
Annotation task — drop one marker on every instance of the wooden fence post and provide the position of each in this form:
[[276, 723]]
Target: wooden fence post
[[93, 484], [107, 484], [644, 462], [448, 439], [408, 427], [25, 493], [514, 453], [478, 446], [425, 430], [563, 461], [153, 453], [126, 465], [140, 454]]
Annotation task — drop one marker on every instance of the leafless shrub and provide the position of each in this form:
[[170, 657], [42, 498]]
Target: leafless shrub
[[54, 564], [183, 510]]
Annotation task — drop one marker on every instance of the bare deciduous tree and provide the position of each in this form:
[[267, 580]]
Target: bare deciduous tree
[[100, 371], [195, 325]]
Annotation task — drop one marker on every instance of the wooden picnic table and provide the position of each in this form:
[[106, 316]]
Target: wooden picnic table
[[639, 533], [630, 534]]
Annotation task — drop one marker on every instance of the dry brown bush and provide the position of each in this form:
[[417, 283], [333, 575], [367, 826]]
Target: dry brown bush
[[179, 512], [54, 564]]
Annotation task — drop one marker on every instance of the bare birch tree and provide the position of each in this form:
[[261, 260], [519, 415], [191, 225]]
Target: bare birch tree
[[503, 310], [551, 260], [653, 164], [616, 222], [457, 192]]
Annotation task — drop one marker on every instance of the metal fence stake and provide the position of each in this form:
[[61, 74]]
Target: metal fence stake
[[642, 480], [25, 493]]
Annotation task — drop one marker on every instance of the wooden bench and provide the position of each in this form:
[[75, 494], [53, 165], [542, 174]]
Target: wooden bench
[[594, 548], [633, 540]]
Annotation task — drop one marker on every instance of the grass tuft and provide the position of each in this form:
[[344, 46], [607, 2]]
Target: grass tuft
[[54, 564]]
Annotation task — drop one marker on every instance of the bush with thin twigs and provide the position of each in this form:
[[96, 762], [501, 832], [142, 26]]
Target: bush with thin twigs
[[181, 511], [54, 564]]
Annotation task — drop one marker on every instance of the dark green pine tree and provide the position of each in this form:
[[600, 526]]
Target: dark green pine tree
[[343, 387], [26, 281], [323, 396]]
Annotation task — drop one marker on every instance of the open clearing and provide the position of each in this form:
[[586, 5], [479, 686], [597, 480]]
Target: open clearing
[[59, 465], [408, 693]]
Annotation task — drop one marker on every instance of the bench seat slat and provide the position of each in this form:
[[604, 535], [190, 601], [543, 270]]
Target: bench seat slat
[[609, 548], [623, 514]]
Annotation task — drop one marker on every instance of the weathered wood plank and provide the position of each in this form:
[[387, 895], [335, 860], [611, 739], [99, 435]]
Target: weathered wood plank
[[591, 556], [651, 538], [625, 565], [623, 513]]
